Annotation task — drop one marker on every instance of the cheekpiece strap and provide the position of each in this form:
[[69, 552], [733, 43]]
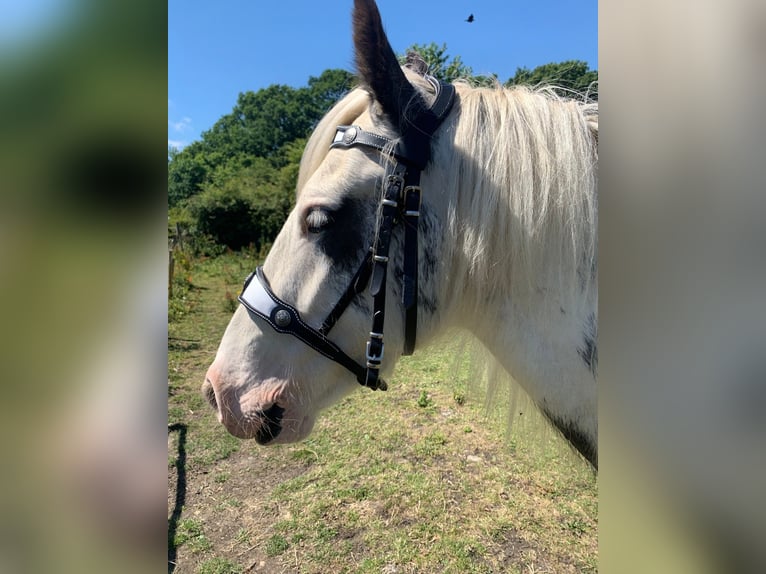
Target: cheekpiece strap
[[400, 201]]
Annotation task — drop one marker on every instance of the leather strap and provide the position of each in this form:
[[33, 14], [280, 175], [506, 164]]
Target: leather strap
[[260, 300], [358, 284], [351, 136], [414, 145], [411, 217], [387, 218]]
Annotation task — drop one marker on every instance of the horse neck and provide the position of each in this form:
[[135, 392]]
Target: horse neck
[[537, 326], [538, 334], [550, 352]]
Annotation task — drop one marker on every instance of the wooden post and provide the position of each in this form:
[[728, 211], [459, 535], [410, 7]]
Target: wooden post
[[171, 266], [179, 237]]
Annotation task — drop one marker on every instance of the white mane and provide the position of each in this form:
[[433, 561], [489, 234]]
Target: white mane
[[524, 162]]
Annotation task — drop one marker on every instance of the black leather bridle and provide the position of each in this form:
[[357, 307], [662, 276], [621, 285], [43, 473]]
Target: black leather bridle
[[400, 202]]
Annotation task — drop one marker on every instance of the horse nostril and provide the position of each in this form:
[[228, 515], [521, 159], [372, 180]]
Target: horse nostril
[[209, 393], [272, 424]]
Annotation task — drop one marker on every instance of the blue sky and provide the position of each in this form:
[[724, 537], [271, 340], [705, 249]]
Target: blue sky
[[219, 48]]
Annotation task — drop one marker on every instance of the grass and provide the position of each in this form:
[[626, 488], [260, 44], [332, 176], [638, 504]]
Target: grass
[[276, 545], [417, 479], [191, 534], [219, 566]]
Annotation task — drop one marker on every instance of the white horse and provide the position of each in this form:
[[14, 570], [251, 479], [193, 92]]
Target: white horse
[[507, 250]]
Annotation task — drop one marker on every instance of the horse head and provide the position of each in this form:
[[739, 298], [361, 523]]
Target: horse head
[[270, 386]]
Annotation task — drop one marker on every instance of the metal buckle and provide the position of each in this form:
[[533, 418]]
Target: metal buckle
[[374, 361], [411, 189], [394, 179]]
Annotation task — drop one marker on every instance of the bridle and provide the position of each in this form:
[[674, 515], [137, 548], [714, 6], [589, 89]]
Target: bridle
[[400, 202]]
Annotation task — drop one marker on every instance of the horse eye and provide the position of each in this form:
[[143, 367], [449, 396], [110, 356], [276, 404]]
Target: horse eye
[[317, 220]]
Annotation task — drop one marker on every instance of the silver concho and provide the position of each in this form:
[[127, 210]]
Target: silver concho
[[350, 135], [282, 318]]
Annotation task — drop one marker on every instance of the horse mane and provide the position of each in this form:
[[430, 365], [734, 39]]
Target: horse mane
[[521, 172], [523, 162]]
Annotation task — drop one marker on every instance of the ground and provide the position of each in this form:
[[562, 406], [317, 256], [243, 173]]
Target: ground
[[420, 478]]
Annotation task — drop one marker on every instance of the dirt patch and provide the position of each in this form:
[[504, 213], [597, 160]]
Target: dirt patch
[[231, 500]]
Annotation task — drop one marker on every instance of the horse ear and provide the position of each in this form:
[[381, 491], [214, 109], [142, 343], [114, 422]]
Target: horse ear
[[377, 64]]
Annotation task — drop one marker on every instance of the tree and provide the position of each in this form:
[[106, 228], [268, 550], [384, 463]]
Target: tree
[[247, 208], [186, 173], [262, 122], [571, 76], [260, 125], [329, 87]]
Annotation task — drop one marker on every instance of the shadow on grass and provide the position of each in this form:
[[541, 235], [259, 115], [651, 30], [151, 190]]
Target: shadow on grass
[[180, 493], [178, 344]]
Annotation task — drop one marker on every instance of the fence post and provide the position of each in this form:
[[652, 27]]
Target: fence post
[[171, 269], [179, 238]]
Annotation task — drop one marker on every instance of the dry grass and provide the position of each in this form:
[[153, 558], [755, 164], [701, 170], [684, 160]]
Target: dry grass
[[418, 479]]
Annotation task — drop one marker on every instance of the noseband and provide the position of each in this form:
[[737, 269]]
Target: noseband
[[400, 202]]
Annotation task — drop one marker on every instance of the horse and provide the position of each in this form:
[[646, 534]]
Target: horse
[[429, 206]]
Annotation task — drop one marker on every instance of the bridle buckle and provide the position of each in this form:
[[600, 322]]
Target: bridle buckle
[[374, 359], [409, 191]]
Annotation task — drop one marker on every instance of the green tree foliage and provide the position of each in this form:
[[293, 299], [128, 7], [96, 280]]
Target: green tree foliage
[[261, 124], [264, 121], [571, 76], [187, 171], [244, 209], [328, 88], [237, 183]]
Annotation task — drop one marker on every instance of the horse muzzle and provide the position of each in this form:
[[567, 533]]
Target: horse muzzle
[[257, 414]]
